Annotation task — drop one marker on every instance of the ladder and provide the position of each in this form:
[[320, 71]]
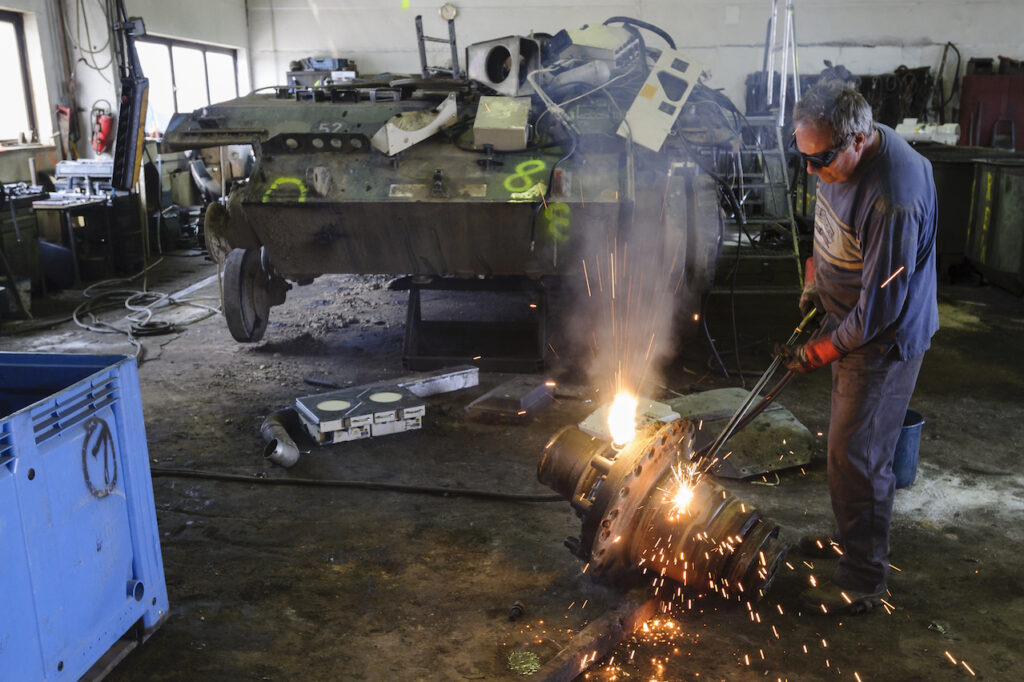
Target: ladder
[[422, 40], [769, 231], [787, 49], [768, 234]]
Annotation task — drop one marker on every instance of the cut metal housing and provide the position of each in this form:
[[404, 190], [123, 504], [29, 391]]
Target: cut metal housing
[[632, 528]]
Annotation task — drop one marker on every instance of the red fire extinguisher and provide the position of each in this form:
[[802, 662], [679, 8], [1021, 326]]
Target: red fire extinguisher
[[102, 128]]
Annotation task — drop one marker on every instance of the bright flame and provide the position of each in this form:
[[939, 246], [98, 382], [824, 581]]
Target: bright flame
[[682, 498], [622, 418]]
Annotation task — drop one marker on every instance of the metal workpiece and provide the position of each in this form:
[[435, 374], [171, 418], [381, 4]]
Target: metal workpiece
[[633, 529]]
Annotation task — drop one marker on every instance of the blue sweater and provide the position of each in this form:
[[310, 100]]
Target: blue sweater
[[866, 229]]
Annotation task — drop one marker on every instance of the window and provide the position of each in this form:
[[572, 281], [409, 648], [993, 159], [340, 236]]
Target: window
[[17, 116], [183, 77]]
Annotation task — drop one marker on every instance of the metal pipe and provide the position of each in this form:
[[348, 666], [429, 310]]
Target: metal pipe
[[770, 85], [420, 40], [632, 527], [796, 64], [280, 448], [786, 44], [456, 72]]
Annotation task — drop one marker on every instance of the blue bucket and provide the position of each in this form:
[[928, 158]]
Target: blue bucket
[[904, 463]]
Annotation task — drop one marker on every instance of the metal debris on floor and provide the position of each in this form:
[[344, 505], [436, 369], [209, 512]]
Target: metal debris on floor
[[516, 400]]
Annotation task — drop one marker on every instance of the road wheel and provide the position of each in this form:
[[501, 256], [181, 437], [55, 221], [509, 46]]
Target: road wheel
[[246, 299]]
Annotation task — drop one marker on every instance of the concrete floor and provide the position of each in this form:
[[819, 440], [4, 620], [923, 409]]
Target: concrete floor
[[282, 583]]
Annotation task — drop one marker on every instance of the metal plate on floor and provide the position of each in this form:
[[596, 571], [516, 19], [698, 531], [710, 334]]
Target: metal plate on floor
[[775, 440]]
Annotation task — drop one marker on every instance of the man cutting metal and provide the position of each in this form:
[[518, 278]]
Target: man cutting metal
[[873, 274]]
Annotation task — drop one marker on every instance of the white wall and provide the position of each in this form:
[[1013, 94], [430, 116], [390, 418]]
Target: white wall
[[218, 22], [867, 36]]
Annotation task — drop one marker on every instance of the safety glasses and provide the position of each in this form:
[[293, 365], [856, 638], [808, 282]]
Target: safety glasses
[[821, 159]]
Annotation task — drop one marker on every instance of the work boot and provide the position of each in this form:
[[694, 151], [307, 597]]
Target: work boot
[[829, 598], [820, 546]]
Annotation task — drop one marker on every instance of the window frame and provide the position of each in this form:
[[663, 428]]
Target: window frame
[[170, 43], [18, 21]]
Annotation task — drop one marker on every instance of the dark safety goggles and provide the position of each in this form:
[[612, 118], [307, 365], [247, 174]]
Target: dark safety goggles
[[821, 159]]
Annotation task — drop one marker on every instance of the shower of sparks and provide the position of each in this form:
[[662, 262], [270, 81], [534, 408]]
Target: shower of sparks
[[622, 418], [628, 310], [685, 476], [892, 277]]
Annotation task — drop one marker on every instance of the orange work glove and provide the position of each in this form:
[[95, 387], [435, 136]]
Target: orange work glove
[[809, 356]]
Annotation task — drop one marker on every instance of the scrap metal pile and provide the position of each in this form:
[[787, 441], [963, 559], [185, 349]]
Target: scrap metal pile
[[544, 145]]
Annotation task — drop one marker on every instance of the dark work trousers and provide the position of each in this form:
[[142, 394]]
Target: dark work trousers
[[870, 395]]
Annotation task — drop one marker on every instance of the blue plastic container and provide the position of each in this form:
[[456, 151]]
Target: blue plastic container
[[904, 463], [82, 574]]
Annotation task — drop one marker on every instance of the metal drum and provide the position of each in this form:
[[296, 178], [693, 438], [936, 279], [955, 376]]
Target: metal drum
[[995, 238], [953, 170]]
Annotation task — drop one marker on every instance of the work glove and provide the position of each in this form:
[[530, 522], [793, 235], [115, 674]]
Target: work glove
[[809, 356], [809, 296], [809, 299]]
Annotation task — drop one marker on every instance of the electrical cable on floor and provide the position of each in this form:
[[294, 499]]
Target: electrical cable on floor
[[363, 485], [140, 303]]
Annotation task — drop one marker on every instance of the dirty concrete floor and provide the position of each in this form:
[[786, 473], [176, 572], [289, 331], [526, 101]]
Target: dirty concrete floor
[[281, 583]]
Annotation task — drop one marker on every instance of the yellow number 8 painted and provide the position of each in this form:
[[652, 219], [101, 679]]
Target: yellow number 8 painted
[[557, 215], [522, 179]]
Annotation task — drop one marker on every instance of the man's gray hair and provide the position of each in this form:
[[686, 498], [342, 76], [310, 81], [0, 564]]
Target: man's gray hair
[[837, 105]]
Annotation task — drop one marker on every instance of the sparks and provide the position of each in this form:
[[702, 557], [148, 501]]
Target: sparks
[[892, 277], [684, 478]]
